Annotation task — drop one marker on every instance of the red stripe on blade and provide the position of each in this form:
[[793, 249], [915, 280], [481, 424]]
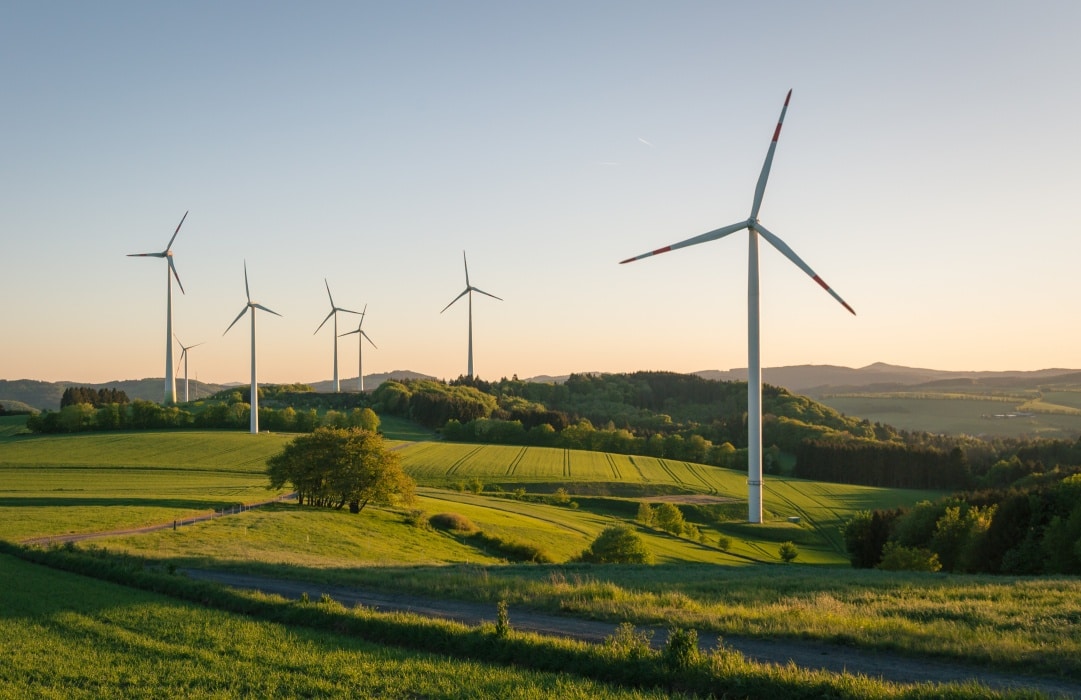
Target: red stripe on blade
[[822, 284]]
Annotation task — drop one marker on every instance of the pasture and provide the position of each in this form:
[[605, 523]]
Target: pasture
[[1050, 415], [105, 640]]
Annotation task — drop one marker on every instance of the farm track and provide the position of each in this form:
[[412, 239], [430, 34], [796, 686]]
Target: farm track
[[182, 522], [566, 463], [494, 506], [612, 465], [453, 468], [671, 473], [516, 461], [805, 654]]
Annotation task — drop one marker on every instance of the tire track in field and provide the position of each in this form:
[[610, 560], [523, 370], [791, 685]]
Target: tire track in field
[[823, 532], [670, 472], [453, 468], [566, 463], [516, 461], [641, 474], [695, 471], [612, 465]]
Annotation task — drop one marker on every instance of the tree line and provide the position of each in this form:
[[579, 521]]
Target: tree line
[[1032, 527], [94, 397]]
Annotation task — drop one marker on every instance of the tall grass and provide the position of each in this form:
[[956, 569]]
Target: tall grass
[[110, 642]]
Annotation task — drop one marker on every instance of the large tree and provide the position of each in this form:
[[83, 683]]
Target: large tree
[[335, 466]]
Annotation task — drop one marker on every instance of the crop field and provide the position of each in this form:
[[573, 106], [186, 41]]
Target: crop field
[[104, 640], [103, 481], [1053, 416]]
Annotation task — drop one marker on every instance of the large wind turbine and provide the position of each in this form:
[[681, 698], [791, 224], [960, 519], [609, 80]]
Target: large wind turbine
[[170, 273], [334, 312], [184, 358], [754, 365], [251, 306], [469, 289], [360, 344]]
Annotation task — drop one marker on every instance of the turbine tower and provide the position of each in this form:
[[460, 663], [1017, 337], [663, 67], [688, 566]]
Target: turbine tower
[[469, 289], [754, 360], [251, 306], [334, 312], [184, 359], [360, 344], [170, 273]]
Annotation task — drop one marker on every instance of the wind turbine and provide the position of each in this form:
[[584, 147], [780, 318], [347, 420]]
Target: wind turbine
[[469, 289], [251, 306], [360, 344], [184, 358], [754, 362], [170, 273], [334, 312]]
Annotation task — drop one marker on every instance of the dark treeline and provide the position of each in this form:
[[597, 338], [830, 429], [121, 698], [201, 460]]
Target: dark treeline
[[228, 410], [1031, 527], [881, 463], [94, 397]]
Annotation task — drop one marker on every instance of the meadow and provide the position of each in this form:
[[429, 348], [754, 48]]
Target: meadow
[[1044, 415], [60, 484]]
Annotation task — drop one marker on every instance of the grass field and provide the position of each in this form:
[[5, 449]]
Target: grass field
[[68, 636], [97, 482], [1053, 416], [11, 425]]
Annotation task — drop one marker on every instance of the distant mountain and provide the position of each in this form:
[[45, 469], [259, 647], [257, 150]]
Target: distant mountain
[[46, 395], [814, 380], [371, 381]]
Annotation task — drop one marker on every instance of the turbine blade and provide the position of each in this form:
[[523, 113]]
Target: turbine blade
[[791, 255], [347, 311], [146, 255], [247, 293], [466, 264], [456, 299], [172, 267], [349, 333], [365, 336], [485, 293], [760, 188], [324, 321], [710, 236], [263, 308], [328, 292], [176, 232], [236, 319]]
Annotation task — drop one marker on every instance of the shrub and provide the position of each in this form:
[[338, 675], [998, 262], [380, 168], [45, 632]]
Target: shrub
[[669, 518], [787, 552], [630, 643], [896, 557], [645, 514], [618, 544], [452, 521], [681, 650], [418, 518], [724, 543]]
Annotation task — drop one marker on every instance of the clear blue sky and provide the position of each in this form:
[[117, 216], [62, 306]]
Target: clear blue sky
[[928, 170]]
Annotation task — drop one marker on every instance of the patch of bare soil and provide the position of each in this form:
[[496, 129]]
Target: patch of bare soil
[[805, 654]]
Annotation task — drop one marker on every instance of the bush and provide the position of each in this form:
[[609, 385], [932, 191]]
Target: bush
[[724, 543], [896, 557], [787, 552], [452, 521], [618, 544], [681, 651], [669, 518], [645, 514]]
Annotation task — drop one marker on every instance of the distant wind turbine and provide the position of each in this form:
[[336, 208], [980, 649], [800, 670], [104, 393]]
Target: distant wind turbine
[[251, 306], [754, 360], [360, 345], [184, 359], [469, 289], [334, 312], [170, 273]]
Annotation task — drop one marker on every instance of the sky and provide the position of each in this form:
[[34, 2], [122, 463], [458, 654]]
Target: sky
[[928, 170]]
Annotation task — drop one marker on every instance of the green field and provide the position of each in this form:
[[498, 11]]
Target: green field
[[1055, 416], [68, 636], [94, 482]]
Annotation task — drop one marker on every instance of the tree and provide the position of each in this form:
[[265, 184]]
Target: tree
[[618, 544], [787, 552], [334, 466], [669, 518]]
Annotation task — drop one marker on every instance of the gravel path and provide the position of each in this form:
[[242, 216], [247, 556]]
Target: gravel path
[[805, 654]]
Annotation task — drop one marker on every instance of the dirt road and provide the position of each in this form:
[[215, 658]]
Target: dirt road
[[805, 654]]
